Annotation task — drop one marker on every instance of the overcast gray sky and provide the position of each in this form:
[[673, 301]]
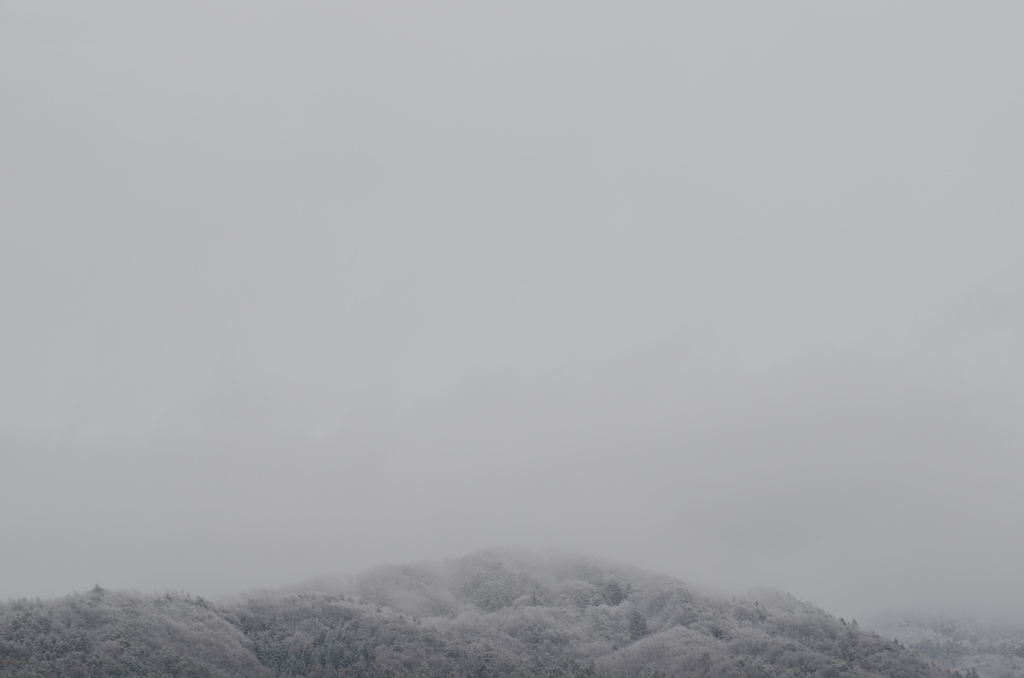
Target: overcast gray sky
[[727, 290]]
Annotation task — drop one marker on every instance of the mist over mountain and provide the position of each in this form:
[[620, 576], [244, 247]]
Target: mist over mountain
[[493, 613], [993, 648], [731, 291]]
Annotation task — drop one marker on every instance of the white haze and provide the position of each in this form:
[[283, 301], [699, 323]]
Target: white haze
[[728, 290]]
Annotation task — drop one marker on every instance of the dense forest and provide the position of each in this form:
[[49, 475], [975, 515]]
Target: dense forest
[[489, 614]]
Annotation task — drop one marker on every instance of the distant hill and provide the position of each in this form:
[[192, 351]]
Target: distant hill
[[489, 614], [993, 650]]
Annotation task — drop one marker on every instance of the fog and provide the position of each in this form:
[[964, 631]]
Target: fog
[[728, 291]]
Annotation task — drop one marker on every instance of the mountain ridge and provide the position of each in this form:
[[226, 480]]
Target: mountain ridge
[[491, 613]]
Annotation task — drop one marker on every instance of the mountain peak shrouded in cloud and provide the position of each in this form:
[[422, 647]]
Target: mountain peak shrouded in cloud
[[733, 293], [799, 480], [492, 613]]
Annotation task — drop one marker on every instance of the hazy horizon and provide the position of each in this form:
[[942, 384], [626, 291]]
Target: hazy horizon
[[730, 292]]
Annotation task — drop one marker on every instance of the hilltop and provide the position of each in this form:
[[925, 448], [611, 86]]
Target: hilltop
[[494, 613]]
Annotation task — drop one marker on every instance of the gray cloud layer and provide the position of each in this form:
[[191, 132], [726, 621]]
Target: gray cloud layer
[[728, 291]]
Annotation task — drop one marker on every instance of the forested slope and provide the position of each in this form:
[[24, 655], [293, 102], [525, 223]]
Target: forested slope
[[489, 614], [993, 650]]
